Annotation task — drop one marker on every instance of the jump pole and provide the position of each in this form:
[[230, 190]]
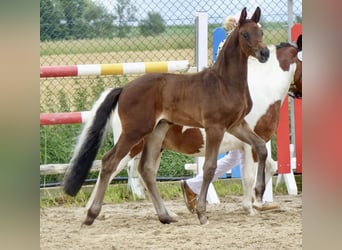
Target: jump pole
[[113, 69], [103, 69], [64, 118]]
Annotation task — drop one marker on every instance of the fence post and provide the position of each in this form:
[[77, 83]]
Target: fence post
[[201, 60], [201, 56]]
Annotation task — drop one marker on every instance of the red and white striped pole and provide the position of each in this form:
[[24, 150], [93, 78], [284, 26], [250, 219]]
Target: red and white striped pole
[[64, 118], [113, 69]]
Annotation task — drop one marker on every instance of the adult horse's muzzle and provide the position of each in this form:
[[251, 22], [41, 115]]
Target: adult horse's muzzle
[[263, 54]]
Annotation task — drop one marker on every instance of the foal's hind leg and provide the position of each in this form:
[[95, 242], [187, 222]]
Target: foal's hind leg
[[149, 164], [123, 163], [110, 163]]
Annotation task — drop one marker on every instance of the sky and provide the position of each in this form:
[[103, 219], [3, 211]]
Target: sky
[[183, 11]]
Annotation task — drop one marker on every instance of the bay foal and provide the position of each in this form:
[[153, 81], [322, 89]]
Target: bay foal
[[216, 99]]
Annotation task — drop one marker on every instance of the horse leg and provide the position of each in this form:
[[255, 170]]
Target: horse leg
[[214, 137], [245, 134], [148, 168], [110, 162], [270, 169], [123, 163], [248, 171]]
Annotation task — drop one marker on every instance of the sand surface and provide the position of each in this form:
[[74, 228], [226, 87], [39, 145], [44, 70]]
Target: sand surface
[[134, 225]]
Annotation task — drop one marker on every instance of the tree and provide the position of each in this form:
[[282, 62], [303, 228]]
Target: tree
[[298, 19], [51, 15], [125, 13], [99, 21], [77, 19], [153, 25], [73, 11]]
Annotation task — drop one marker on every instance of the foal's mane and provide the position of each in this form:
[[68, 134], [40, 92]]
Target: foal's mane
[[228, 46], [284, 45]]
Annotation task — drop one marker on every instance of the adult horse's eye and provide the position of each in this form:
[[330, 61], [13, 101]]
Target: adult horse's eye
[[245, 35]]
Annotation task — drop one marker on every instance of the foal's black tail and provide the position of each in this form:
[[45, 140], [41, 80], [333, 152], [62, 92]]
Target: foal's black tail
[[90, 141]]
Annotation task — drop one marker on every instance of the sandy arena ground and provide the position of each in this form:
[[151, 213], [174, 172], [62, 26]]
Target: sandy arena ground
[[134, 225]]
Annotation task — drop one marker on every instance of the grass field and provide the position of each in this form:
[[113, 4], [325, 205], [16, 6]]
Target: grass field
[[174, 38], [118, 193]]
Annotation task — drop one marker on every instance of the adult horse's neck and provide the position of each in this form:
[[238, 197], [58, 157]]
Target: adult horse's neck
[[231, 63]]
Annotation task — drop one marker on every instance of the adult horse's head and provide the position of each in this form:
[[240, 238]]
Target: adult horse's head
[[296, 86], [250, 36]]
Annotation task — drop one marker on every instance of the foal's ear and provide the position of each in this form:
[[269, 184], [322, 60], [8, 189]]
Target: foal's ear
[[243, 15], [299, 43], [256, 15]]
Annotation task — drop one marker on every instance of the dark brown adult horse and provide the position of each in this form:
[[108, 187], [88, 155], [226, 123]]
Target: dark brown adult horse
[[216, 99]]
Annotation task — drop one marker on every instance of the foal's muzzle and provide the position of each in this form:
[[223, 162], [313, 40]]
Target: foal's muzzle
[[263, 55]]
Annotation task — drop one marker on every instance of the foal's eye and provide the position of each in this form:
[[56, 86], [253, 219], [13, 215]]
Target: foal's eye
[[245, 35]]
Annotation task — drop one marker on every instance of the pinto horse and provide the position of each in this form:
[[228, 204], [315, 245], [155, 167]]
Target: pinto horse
[[216, 99], [296, 88], [268, 84]]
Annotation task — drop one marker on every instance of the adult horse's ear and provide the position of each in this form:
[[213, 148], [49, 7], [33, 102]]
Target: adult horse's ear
[[256, 15], [299, 43], [243, 15]]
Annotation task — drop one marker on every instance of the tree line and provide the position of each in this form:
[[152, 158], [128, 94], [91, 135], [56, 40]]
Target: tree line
[[83, 19]]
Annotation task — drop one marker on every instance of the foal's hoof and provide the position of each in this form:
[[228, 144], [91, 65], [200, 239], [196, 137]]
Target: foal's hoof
[[167, 220], [90, 218], [88, 221]]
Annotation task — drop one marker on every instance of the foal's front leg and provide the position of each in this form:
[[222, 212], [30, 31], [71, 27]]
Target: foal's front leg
[[214, 137]]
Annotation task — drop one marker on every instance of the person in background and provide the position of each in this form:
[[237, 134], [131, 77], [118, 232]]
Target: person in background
[[229, 24], [192, 187]]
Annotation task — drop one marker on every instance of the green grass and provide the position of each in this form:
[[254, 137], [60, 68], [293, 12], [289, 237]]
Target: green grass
[[175, 37], [119, 193], [161, 42]]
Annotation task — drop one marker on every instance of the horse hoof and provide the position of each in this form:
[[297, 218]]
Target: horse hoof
[[257, 205], [88, 221], [167, 220], [267, 206], [252, 212], [203, 219], [91, 216]]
